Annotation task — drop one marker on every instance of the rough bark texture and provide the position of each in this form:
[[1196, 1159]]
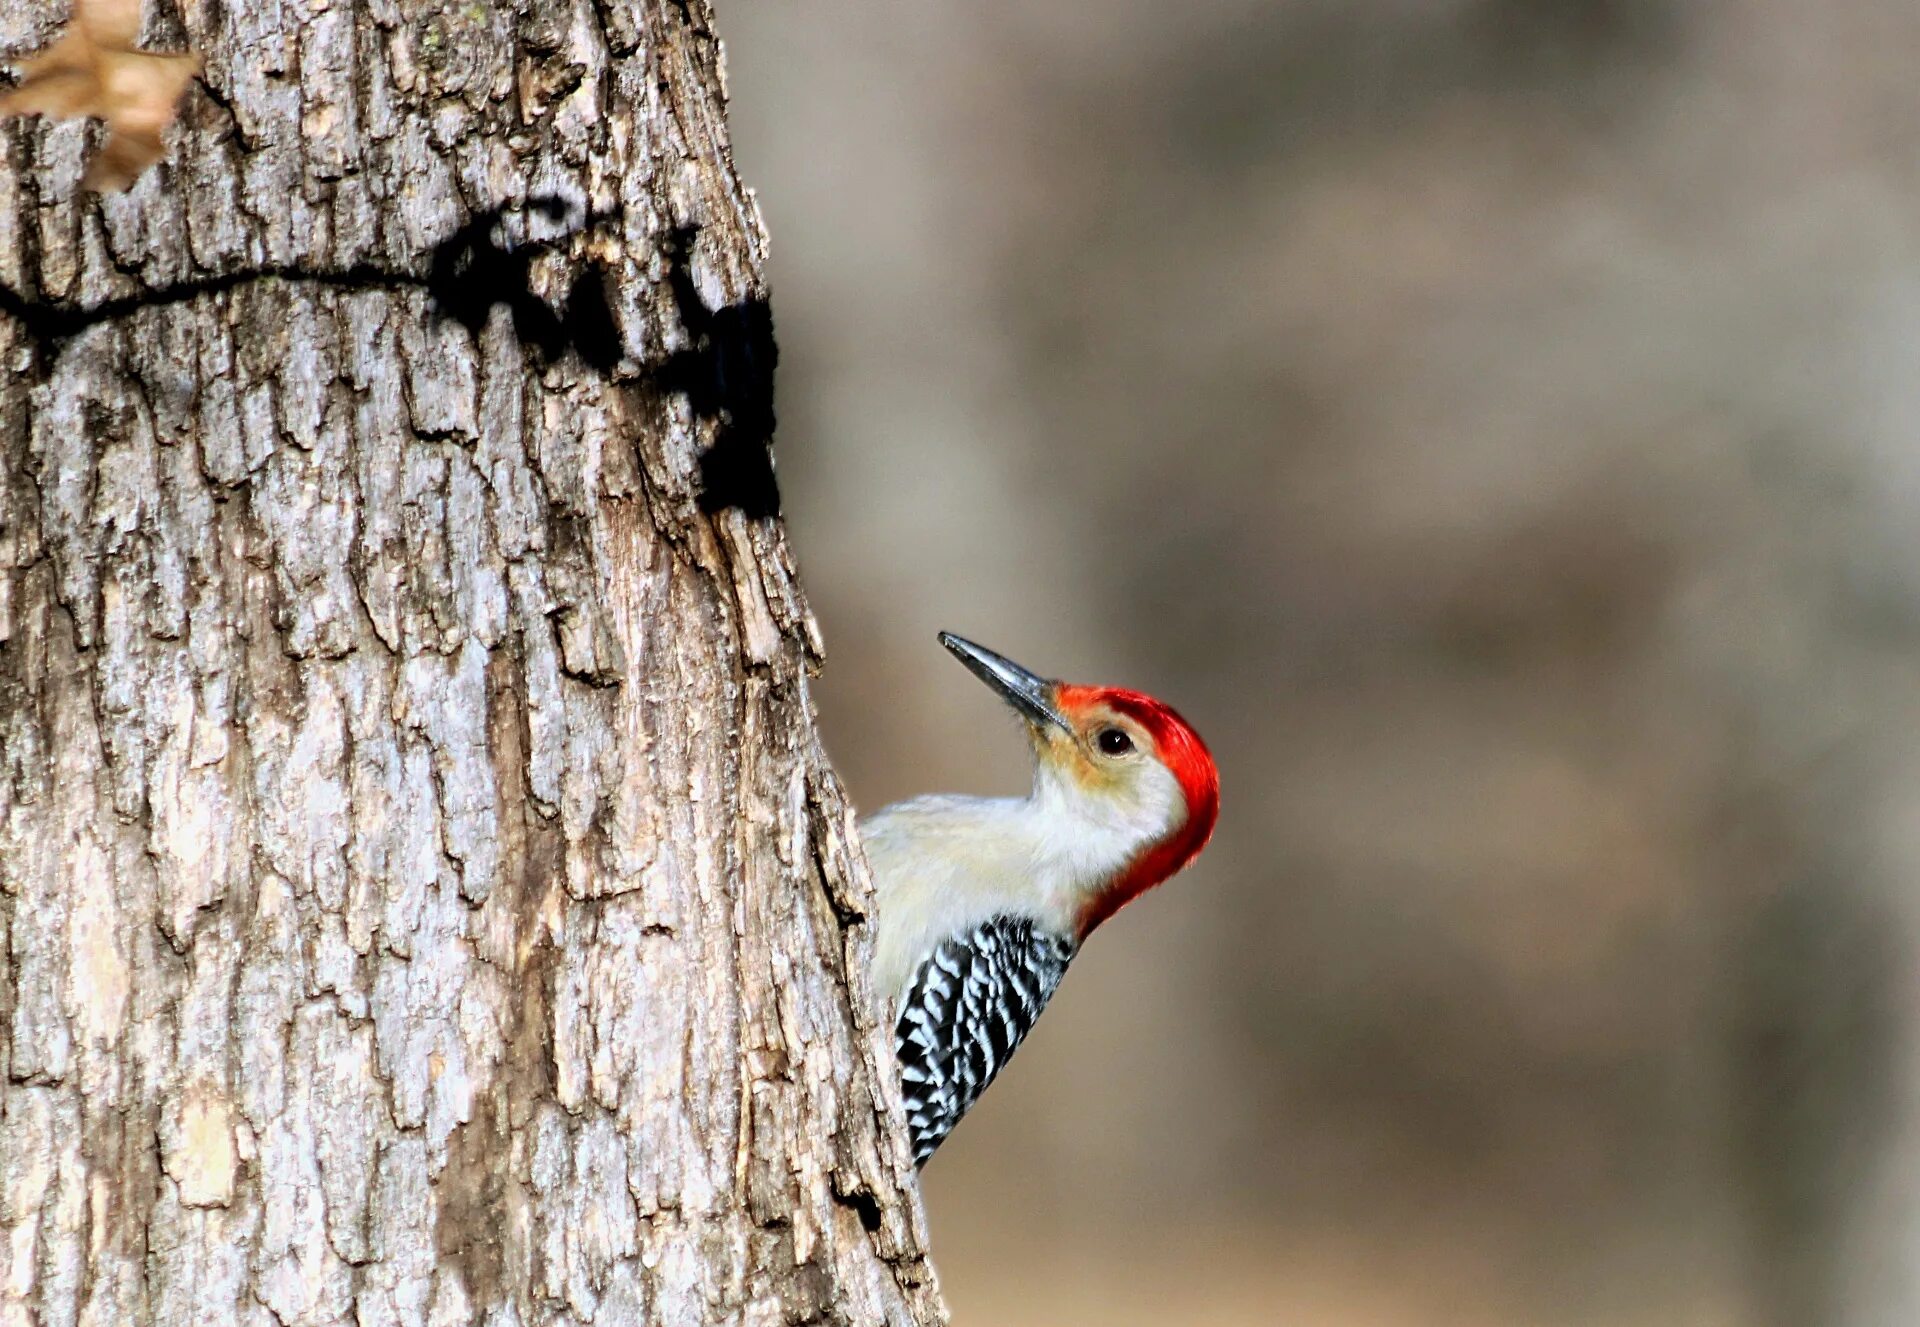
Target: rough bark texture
[[423, 898]]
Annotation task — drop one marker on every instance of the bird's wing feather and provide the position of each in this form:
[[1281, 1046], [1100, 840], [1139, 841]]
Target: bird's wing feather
[[963, 1015]]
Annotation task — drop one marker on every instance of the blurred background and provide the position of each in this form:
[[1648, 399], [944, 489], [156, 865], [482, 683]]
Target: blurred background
[[1493, 423]]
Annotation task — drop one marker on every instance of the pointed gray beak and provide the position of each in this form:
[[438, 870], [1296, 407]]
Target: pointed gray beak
[[1032, 696]]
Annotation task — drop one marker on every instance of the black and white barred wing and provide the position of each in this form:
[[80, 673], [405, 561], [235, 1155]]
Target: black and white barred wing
[[964, 1013]]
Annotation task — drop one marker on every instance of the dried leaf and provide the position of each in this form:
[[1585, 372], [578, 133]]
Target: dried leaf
[[93, 69]]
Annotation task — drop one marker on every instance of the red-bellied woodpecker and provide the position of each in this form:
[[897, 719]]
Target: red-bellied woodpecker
[[984, 901]]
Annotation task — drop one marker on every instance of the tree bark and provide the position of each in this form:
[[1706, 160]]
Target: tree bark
[[423, 898]]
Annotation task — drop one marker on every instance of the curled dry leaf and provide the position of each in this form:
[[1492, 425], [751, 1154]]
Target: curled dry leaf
[[93, 69]]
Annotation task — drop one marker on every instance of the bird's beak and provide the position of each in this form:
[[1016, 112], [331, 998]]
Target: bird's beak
[[1032, 696]]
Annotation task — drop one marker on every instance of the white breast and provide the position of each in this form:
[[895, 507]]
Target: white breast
[[943, 865]]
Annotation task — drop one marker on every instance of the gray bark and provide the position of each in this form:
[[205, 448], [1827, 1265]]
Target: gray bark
[[423, 898]]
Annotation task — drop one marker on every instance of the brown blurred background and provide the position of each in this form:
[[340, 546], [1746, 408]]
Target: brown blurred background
[[1493, 423]]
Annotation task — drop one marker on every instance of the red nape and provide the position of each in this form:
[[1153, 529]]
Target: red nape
[[1180, 750]]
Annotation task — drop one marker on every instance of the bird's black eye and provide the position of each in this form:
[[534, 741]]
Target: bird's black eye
[[1115, 742]]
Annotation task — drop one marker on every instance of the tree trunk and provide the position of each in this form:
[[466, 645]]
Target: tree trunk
[[423, 898]]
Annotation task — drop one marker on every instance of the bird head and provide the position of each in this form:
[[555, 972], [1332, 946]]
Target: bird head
[[1127, 783]]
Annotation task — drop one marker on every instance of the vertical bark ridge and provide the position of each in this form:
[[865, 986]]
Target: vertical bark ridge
[[423, 897]]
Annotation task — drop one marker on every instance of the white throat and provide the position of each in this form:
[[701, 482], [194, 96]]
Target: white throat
[[944, 864]]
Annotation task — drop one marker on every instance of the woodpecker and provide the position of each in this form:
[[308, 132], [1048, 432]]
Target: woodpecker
[[984, 901]]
